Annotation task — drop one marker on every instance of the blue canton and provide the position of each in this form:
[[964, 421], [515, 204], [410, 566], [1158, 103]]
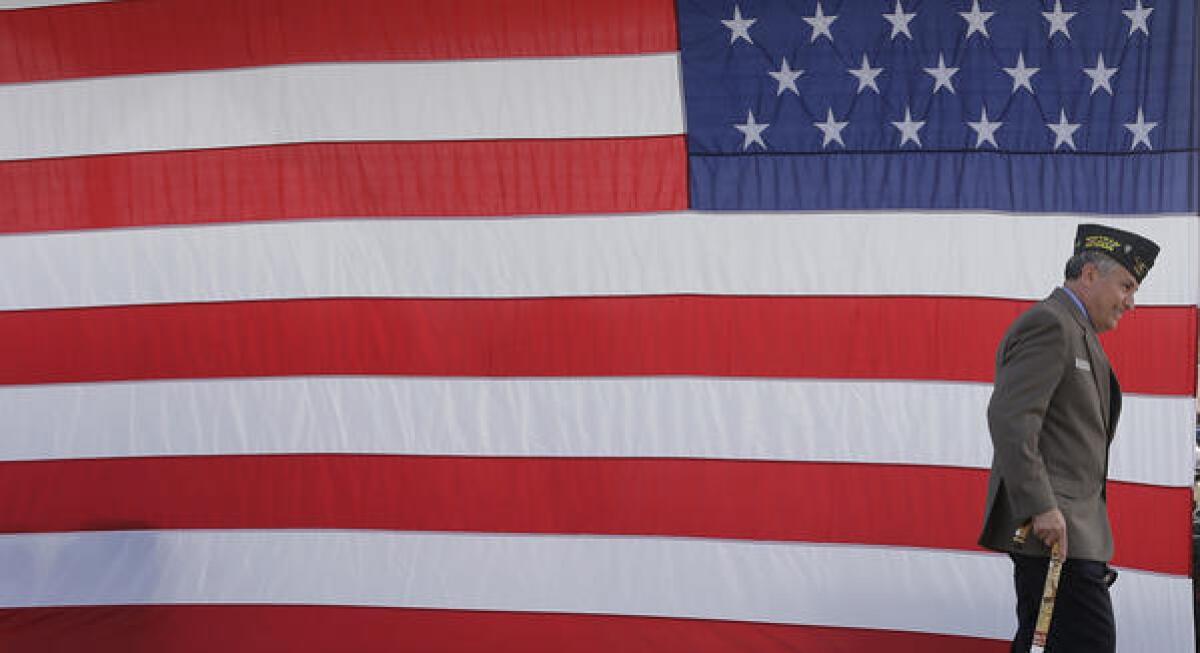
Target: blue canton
[[1034, 105]]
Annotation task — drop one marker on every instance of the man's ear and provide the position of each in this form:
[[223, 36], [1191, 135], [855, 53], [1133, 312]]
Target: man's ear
[[1089, 272]]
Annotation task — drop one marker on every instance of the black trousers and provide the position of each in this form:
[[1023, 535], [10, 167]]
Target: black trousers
[[1083, 614]]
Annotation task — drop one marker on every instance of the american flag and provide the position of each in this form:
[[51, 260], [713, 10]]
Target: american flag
[[354, 325]]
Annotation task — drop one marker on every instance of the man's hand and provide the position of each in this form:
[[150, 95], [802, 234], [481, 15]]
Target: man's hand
[[1051, 528]]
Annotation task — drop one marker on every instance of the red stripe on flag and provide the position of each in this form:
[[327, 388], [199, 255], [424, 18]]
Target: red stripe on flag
[[1152, 526], [301, 629], [335, 180], [611, 496], [1152, 353], [121, 38], [940, 338]]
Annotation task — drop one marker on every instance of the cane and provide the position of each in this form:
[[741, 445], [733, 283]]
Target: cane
[[1049, 592]]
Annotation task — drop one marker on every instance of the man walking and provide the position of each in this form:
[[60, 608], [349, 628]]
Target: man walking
[[1052, 417]]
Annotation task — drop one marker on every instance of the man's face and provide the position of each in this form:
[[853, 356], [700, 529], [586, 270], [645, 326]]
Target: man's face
[[1107, 296]]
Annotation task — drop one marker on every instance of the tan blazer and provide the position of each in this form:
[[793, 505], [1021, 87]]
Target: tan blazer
[[1052, 416]]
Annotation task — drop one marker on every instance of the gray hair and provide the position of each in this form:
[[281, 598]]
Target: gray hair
[[1102, 261]]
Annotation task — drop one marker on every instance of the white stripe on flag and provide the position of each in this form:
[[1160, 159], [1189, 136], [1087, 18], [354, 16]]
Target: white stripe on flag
[[754, 419], [976, 255], [958, 593], [460, 100]]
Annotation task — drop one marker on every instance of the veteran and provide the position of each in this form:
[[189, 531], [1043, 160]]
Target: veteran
[[1052, 416]]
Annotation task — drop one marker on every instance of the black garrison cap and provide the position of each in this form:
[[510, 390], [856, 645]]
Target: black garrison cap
[[1132, 251]]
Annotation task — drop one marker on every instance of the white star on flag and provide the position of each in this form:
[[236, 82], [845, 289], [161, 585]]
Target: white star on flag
[[1058, 19], [1137, 18], [1022, 76], [786, 78], [1141, 131], [1100, 75], [1063, 131], [832, 129], [942, 75], [820, 24], [976, 20], [909, 128], [752, 131], [739, 28], [985, 131], [900, 21], [866, 75]]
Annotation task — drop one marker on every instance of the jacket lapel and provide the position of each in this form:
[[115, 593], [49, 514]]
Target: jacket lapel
[[1101, 372], [1114, 404]]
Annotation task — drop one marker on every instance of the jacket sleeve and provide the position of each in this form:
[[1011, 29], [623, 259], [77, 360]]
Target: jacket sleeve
[[1028, 371]]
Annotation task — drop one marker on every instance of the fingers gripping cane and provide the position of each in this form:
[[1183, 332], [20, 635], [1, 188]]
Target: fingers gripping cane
[[1049, 592]]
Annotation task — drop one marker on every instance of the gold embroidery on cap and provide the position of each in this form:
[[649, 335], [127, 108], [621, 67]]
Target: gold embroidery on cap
[[1105, 243]]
